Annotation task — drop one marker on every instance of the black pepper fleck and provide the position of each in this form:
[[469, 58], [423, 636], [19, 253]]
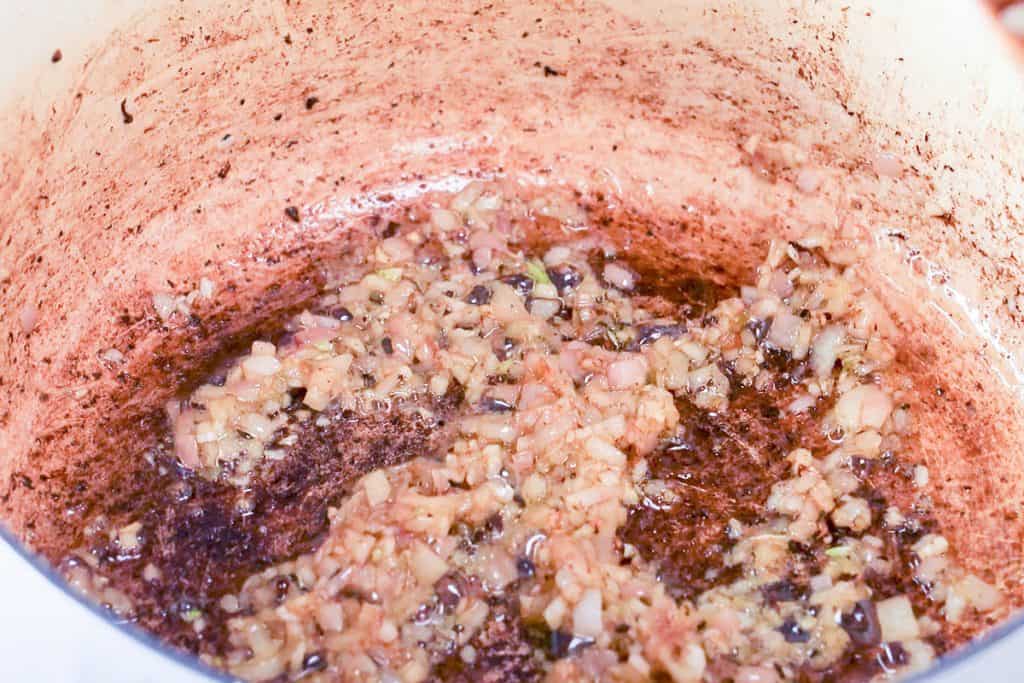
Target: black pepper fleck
[[293, 213]]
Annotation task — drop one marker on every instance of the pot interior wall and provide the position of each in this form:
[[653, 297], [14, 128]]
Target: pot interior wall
[[176, 147]]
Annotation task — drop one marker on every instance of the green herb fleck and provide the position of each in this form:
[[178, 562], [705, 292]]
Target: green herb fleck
[[838, 551], [537, 272], [192, 614]]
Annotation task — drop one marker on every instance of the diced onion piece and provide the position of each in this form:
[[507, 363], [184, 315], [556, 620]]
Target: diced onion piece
[[128, 536], [921, 655], [931, 545], [605, 452], [377, 487], [313, 336], [586, 616], [784, 331], [627, 372], [780, 284], [185, 447], [825, 350], [497, 568], [896, 617], [330, 616], [164, 304], [257, 367], [979, 594], [396, 250], [555, 612], [262, 348], [506, 305], [545, 308], [256, 425], [152, 573], [557, 254], [853, 514], [444, 220], [426, 564], [482, 257], [863, 406], [618, 276], [802, 403]]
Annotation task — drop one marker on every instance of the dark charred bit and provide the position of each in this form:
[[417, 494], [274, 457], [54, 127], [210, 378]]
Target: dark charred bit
[[782, 591], [548, 70], [504, 653], [479, 296], [489, 404], [314, 661], [686, 294], [292, 213], [56, 56], [341, 313], [555, 644], [519, 282], [125, 116], [491, 529], [646, 334], [525, 568], [792, 632], [431, 253], [390, 230], [449, 590], [759, 328], [858, 664], [711, 456], [205, 544], [564, 277], [311, 102], [862, 624]]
